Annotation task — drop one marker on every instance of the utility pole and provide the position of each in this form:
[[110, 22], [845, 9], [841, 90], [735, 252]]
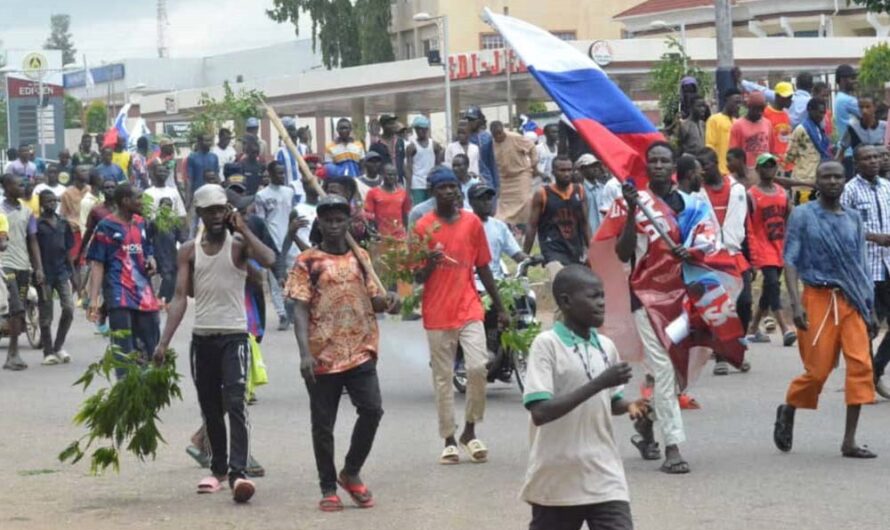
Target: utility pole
[[723, 24], [163, 50], [508, 52]]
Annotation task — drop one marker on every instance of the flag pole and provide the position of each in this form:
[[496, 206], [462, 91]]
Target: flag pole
[[313, 182]]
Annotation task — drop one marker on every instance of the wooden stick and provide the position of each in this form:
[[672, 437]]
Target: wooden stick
[[310, 178]]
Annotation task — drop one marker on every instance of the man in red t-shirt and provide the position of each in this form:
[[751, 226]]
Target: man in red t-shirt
[[388, 205], [777, 115], [753, 133], [452, 309]]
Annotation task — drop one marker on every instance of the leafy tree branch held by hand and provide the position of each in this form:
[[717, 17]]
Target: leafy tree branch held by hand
[[124, 415], [234, 106], [665, 79]]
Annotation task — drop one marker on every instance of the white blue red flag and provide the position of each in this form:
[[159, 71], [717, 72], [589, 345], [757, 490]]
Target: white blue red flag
[[609, 122], [118, 129]]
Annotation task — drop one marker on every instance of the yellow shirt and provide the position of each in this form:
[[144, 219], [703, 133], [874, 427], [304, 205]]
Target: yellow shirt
[[122, 160], [4, 224], [717, 138], [33, 203]]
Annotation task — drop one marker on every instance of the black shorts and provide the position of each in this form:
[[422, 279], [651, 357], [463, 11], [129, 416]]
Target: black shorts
[[17, 283]]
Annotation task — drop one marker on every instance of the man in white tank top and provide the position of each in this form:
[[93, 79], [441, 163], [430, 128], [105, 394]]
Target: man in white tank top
[[213, 269], [421, 156]]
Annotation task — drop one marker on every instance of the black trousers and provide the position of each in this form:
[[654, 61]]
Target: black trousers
[[324, 400], [882, 302], [220, 365], [612, 515]]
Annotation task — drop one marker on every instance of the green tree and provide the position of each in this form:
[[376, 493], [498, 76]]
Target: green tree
[[60, 37], [878, 6], [374, 18], [234, 106], [348, 34], [73, 112], [874, 70], [97, 117], [665, 79]]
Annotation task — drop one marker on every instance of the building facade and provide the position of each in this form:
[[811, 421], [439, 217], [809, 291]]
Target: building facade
[[754, 18], [568, 19]]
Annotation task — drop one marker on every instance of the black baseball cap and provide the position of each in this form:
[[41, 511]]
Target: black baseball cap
[[477, 191], [332, 202], [844, 71]]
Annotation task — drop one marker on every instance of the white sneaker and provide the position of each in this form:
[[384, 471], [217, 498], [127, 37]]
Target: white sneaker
[[882, 389], [63, 356], [51, 359]]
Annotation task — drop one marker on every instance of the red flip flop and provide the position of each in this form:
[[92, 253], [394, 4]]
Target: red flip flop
[[360, 493], [331, 503]]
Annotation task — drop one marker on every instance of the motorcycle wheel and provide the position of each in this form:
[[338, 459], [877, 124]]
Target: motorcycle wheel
[[460, 382], [520, 366], [32, 325]]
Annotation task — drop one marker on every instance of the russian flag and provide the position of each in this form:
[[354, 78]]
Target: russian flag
[[608, 121], [118, 129]]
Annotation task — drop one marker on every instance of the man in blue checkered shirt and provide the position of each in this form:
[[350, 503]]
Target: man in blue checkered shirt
[[870, 196]]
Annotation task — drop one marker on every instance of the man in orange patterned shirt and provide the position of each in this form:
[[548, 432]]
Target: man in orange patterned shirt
[[337, 334]]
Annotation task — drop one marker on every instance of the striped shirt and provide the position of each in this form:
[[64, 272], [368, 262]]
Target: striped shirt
[[872, 202], [349, 154]]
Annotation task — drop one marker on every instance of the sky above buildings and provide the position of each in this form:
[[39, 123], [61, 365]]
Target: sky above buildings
[[106, 30]]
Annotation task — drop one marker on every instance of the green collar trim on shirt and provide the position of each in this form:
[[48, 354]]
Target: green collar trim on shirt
[[569, 338]]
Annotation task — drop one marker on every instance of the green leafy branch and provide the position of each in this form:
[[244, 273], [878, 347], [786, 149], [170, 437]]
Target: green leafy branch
[[163, 217], [510, 290], [234, 106], [126, 414]]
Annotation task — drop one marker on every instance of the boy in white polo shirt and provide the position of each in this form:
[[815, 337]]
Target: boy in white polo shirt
[[573, 388]]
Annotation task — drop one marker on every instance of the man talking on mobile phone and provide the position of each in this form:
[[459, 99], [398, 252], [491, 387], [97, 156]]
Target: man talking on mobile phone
[[213, 269]]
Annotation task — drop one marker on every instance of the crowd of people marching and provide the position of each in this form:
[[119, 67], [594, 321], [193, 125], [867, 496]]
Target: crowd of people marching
[[792, 184]]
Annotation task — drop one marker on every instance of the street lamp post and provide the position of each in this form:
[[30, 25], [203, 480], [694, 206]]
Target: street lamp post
[[681, 34], [442, 24]]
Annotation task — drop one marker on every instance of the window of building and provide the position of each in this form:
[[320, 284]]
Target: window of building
[[490, 41], [409, 50], [493, 41], [564, 35], [429, 45]]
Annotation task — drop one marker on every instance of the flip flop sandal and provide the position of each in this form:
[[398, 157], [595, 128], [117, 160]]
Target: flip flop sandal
[[450, 456], [254, 468], [331, 503], [477, 451], [859, 452], [360, 493], [783, 433], [209, 485], [202, 458], [688, 402], [648, 451], [242, 490], [676, 468]]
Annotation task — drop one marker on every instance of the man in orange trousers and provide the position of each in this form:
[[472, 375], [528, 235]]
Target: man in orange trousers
[[825, 249]]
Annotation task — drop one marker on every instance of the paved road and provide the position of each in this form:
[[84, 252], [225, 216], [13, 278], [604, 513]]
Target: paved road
[[739, 480]]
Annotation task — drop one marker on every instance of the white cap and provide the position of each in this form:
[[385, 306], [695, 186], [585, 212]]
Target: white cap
[[210, 195], [586, 159]]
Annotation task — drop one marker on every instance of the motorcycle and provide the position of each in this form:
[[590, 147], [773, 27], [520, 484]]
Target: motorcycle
[[504, 364]]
